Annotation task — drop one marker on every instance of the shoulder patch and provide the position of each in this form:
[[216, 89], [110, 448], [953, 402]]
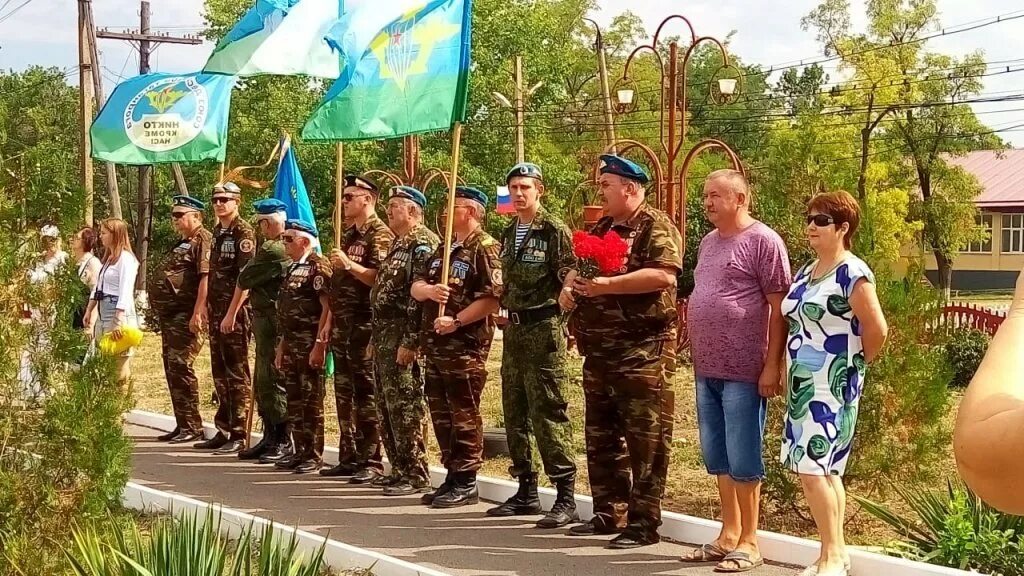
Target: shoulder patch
[[382, 255], [496, 277], [246, 246], [318, 283]]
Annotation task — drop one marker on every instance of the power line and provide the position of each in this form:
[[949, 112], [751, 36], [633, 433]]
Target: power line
[[14, 11]]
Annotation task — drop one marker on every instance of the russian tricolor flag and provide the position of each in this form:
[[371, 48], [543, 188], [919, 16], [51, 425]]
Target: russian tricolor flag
[[505, 201]]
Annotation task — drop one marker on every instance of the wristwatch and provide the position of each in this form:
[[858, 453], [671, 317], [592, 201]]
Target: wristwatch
[[458, 323], [348, 266]]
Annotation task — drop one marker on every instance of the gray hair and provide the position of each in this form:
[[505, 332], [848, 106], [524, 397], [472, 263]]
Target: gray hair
[[278, 217], [738, 182], [479, 212]]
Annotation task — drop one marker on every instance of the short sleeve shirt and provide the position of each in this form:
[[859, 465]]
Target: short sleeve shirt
[[368, 246], [233, 247], [175, 287], [475, 273], [606, 324], [728, 311], [299, 307]]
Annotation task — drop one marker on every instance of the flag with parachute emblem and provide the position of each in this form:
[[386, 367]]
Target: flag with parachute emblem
[[158, 118], [284, 37], [406, 71]]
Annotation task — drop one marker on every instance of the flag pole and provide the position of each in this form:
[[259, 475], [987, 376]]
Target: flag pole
[[339, 187], [450, 212]]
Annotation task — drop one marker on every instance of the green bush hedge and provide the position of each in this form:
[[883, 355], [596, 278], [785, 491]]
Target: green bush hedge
[[964, 350]]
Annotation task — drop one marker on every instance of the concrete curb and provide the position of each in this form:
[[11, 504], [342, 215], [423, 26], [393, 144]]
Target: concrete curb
[[337, 555], [680, 527]]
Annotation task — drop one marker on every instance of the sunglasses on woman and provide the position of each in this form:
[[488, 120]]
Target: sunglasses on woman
[[820, 220]]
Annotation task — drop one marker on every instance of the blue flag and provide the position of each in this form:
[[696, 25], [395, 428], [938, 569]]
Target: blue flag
[[290, 188], [159, 118]]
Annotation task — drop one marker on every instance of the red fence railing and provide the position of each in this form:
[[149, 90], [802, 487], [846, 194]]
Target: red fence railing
[[964, 315]]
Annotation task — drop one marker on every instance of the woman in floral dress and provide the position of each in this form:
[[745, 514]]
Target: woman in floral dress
[[836, 328]]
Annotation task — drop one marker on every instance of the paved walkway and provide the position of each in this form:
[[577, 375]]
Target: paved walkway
[[459, 541]]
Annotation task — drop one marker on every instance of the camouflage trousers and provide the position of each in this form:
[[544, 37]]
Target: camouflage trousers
[[180, 349], [532, 392], [453, 387], [629, 419], [358, 427], [400, 406], [305, 390], [229, 361], [271, 398]]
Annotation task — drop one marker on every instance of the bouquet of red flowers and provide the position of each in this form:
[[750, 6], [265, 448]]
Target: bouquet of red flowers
[[599, 256]]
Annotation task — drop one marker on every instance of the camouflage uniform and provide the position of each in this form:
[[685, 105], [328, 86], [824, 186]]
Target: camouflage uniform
[[455, 363], [298, 317], [533, 357], [353, 371], [396, 323], [629, 344], [173, 292], [262, 277], [233, 247]]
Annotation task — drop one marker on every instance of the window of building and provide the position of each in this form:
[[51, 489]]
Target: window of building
[[1013, 234], [982, 222]]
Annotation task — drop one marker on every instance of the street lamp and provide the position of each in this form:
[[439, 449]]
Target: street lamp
[[518, 107], [673, 124]]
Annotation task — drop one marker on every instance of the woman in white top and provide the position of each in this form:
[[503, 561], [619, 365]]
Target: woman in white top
[[83, 244], [114, 294]]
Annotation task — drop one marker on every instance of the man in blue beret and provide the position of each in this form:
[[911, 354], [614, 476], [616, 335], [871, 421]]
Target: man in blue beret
[[177, 293], [396, 336], [456, 344], [261, 278], [536, 255], [626, 329], [364, 244], [304, 325]]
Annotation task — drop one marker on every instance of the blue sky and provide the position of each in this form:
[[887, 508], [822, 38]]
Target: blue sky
[[43, 32]]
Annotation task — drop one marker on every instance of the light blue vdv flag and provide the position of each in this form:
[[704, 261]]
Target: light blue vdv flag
[[283, 37], [290, 188], [159, 118]]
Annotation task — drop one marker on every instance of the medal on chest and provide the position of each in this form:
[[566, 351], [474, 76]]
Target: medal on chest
[[536, 251], [357, 252]]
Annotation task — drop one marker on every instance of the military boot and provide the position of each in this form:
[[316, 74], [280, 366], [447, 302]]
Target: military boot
[[463, 492], [445, 486], [563, 512], [269, 439], [281, 449], [524, 502]]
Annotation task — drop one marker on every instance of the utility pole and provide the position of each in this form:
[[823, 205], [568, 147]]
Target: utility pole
[[97, 81], [519, 107], [86, 71], [602, 66], [145, 199]]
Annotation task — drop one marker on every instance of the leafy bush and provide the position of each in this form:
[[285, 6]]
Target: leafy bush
[[965, 349], [902, 430], [63, 455], [189, 547], [955, 528]]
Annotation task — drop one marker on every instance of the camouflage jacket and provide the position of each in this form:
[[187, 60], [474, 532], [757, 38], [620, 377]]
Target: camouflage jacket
[[475, 273], [298, 304], [175, 287], [534, 272], [620, 321], [366, 245], [263, 274], [233, 247], [390, 295]]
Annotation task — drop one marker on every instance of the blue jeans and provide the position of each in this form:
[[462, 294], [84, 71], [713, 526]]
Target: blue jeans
[[731, 418]]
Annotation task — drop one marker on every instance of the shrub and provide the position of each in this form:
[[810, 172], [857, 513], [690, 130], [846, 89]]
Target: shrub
[[965, 349], [63, 456], [902, 431], [954, 528]]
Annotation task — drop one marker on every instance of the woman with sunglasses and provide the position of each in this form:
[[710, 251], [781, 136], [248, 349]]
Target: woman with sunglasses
[[836, 328]]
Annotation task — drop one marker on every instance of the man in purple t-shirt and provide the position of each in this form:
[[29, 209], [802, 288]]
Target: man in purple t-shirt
[[738, 335]]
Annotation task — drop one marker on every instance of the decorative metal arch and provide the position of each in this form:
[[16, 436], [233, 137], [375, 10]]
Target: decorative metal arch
[[702, 146], [624, 146]]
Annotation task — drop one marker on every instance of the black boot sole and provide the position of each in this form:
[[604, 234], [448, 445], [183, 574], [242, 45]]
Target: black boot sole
[[528, 511], [447, 505]]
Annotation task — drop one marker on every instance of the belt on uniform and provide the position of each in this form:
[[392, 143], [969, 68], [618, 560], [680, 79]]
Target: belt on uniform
[[533, 316]]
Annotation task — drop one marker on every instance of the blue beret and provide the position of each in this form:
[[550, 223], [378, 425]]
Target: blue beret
[[525, 170], [269, 206], [409, 193], [471, 193], [360, 182], [620, 166], [188, 202], [302, 226]]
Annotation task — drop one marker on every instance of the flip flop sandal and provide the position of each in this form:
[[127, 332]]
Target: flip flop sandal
[[707, 553], [743, 561]]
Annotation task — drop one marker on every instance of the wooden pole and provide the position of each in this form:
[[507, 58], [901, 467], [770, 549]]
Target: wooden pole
[[450, 212], [339, 189], [86, 69], [220, 179]]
